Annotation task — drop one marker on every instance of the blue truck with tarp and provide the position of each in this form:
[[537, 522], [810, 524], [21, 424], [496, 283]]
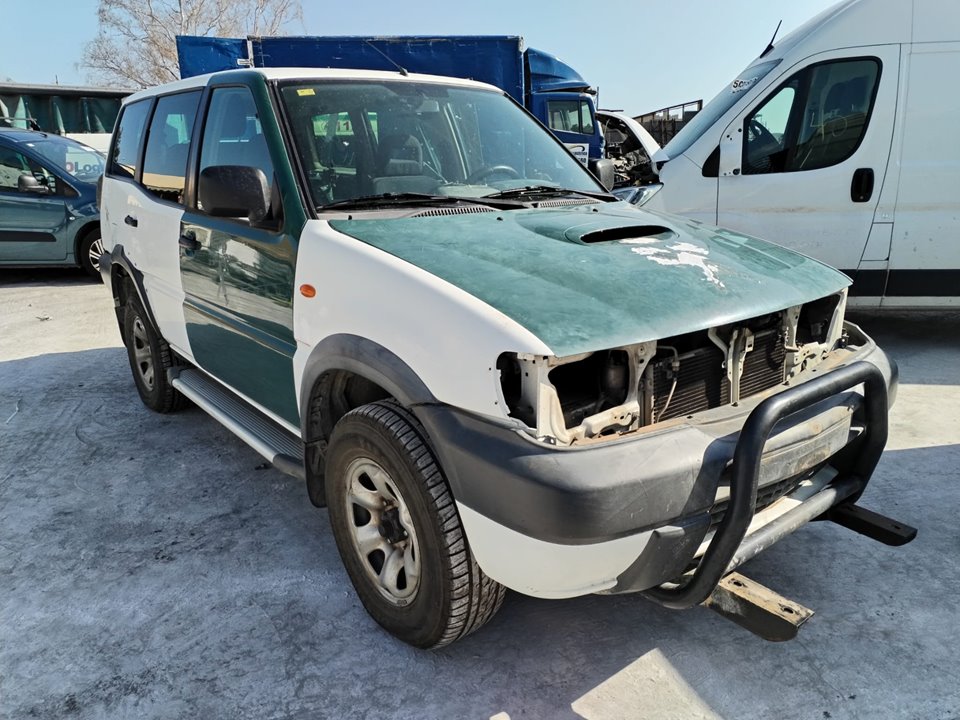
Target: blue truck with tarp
[[550, 89]]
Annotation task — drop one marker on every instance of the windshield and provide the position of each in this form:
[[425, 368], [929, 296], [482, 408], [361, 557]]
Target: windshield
[[716, 108], [359, 139], [82, 162]]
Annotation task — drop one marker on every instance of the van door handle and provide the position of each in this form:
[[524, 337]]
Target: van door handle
[[130, 220], [189, 242], [862, 186]]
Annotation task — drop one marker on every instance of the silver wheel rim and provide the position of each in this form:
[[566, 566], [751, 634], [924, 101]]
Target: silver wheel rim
[[96, 250], [141, 353], [382, 531]]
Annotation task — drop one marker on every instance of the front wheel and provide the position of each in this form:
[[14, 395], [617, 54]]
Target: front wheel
[[89, 251], [398, 530]]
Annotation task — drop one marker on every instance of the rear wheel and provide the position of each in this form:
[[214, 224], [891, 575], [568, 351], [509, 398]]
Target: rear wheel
[[150, 357], [89, 251], [398, 530]]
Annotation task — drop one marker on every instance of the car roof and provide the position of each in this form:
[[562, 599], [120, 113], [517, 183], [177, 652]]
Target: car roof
[[19, 135], [291, 73]]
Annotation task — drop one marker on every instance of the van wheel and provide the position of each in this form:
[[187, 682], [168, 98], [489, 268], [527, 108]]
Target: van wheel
[[398, 530], [89, 251], [150, 358]]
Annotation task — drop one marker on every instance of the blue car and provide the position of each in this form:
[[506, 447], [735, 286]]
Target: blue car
[[48, 208]]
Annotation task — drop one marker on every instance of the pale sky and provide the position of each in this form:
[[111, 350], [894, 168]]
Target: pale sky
[[641, 55]]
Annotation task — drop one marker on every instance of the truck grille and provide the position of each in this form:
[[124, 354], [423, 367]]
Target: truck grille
[[701, 382]]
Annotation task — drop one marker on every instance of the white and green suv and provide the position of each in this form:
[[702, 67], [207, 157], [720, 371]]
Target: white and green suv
[[493, 374]]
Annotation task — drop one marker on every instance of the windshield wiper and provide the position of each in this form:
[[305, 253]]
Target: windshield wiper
[[546, 190], [407, 199]]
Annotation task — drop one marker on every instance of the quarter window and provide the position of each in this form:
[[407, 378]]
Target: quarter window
[[126, 142], [815, 119], [168, 146]]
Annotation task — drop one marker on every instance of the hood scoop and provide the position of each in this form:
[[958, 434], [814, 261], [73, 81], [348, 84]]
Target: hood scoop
[[469, 210], [627, 233]]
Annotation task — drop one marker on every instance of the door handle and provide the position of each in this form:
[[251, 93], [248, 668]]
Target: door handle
[[861, 189], [189, 242], [130, 220]]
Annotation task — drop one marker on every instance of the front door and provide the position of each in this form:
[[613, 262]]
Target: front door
[[570, 117], [804, 166], [237, 278], [32, 223]]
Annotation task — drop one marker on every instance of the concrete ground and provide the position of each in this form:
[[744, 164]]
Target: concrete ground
[[150, 566]]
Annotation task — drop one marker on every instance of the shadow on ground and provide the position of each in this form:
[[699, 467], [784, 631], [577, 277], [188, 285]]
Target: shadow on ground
[[153, 567]]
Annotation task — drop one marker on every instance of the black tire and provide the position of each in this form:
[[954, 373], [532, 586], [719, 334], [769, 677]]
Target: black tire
[[150, 357], [89, 247], [452, 597]]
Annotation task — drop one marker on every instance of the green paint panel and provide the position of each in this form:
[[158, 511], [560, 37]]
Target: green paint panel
[[635, 283]]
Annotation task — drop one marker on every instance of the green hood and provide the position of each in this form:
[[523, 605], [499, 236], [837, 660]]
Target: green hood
[[598, 276]]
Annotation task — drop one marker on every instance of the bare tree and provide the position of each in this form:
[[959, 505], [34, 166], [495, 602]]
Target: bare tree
[[136, 42]]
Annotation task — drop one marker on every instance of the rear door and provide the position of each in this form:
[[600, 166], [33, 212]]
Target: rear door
[[161, 198], [32, 224], [237, 278], [804, 166]]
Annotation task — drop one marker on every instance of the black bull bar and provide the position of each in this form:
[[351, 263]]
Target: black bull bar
[[728, 549]]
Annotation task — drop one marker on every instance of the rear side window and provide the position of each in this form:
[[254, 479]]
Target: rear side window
[[168, 146], [816, 119], [126, 142]]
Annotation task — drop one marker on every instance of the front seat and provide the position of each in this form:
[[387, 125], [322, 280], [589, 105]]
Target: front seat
[[400, 167]]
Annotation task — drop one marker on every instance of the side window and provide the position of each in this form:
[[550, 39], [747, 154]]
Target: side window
[[814, 120], [232, 134], [570, 116], [126, 142], [14, 164], [168, 145]]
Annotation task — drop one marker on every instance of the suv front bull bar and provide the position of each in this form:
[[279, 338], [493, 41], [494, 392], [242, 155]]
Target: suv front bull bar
[[727, 549]]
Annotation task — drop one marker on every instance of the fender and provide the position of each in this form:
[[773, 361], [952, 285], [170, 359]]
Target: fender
[[365, 358], [110, 267]]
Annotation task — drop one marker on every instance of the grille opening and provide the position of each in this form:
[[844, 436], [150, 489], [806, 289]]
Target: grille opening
[[697, 376], [591, 385], [628, 232]]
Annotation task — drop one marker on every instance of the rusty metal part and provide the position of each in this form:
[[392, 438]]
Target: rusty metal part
[[757, 608], [874, 525]]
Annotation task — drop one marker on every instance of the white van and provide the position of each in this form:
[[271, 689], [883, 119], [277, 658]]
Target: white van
[[840, 142]]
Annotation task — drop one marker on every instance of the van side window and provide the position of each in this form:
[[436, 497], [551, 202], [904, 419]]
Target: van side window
[[168, 145], [232, 134], [14, 164], [570, 116], [815, 119], [125, 151]]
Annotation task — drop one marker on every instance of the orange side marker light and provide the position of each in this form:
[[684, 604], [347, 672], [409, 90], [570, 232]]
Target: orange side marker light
[[308, 291]]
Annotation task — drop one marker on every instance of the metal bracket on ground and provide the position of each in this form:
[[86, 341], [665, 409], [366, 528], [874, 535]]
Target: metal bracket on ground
[[757, 608]]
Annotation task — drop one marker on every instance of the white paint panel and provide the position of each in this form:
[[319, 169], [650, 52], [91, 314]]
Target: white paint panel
[[449, 338], [547, 570], [928, 202]]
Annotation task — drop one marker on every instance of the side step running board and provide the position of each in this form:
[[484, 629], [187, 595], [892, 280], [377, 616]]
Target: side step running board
[[279, 446]]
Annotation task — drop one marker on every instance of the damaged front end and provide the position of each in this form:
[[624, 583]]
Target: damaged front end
[[610, 393]]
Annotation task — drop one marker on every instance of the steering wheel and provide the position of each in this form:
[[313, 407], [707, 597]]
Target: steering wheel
[[481, 173], [762, 135]]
